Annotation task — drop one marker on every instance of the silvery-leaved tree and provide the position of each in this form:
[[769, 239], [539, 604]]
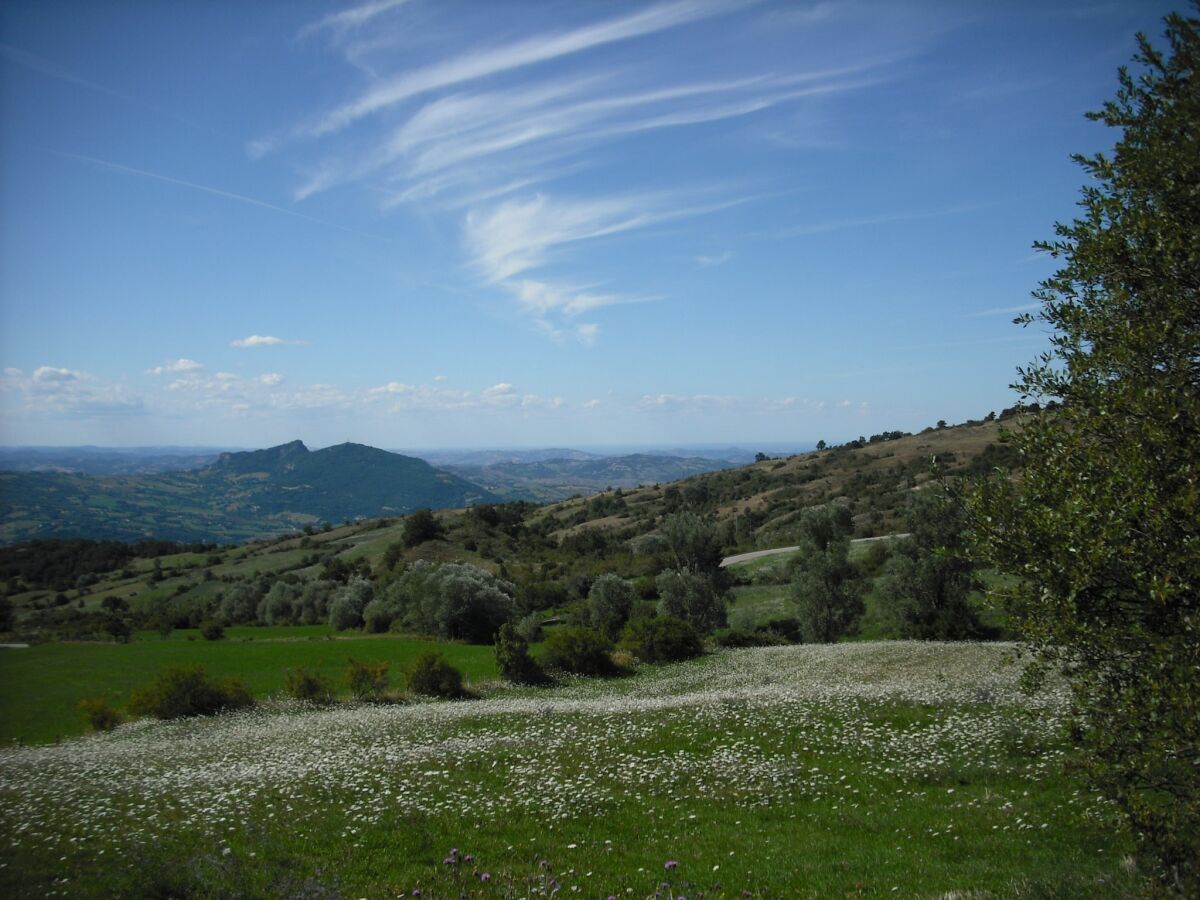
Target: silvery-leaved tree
[[1102, 525]]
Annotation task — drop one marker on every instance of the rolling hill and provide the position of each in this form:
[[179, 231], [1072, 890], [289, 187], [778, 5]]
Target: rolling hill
[[549, 480], [239, 496]]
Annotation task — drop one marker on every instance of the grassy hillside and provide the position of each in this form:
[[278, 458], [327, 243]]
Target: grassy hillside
[[549, 480], [240, 496], [550, 552], [893, 769], [761, 501]]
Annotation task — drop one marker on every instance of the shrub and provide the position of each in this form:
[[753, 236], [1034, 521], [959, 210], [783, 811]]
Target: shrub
[[212, 631], [662, 639], [100, 714], [453, 601], [349, 601], [578, 650], [421, 526], [304, 684], [609, 602], [741, 637], [513, 659], [367, 680], [530, 627], [188, 691], [683, 594], [431, 674], [827, 588]]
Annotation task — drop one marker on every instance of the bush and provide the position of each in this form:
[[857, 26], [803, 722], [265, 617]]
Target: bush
[[741, 637], [827, 588], [100, 714], [787, 628], [662, 639], [432, 675], [578, 650], [367, 680], [188, 691], [513, 659], [530, 627], [304, 684], [349, 602], [609, 602], [421, 526], [453, 601], [697, 599], [212, 631]]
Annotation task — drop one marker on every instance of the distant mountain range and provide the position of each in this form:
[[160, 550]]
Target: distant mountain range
[[238, 496], [204, 494], [106, 460], [551, 480]]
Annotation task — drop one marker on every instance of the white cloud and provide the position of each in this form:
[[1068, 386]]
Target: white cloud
[[587, 333], [263, 340], [271, 379], [55, 391], [50, 375], [714, 260], [440, 377], [175, 366]]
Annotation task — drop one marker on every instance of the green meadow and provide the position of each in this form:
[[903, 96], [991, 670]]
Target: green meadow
[[41, 686], [887, 769]]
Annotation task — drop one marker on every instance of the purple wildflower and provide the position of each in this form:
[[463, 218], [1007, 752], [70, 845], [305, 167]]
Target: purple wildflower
[[671, 864], [486, 876]]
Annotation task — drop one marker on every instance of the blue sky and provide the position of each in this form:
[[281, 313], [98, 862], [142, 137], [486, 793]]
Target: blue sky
[[415, 224]]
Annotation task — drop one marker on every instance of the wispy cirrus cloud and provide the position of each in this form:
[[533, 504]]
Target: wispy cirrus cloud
[[477, 64], [517, 236], [347, 19], [501, 133], [264, 340], [1003, 311], [206, 189]]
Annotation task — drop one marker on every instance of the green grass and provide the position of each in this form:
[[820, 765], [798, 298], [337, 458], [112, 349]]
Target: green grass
[[40, 687], [897, 770], [758, 604]]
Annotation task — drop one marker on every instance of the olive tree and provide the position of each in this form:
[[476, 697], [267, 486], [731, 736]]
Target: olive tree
[[928, 580], [827, 588], [1102, 527]]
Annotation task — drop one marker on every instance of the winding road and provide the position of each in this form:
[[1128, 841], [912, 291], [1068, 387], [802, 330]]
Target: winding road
[[756, 554]]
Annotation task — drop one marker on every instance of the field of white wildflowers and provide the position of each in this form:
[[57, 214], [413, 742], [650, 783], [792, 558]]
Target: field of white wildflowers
[[905, 769]]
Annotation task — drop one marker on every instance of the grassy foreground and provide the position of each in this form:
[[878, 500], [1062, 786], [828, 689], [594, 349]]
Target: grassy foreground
[[886, 769]]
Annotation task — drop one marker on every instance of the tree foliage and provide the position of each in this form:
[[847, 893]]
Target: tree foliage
[[513, 659], [609, 603], [421, 526], [453, 601], [826, 588], [929, 577], [694, 598], [1103, 527]]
